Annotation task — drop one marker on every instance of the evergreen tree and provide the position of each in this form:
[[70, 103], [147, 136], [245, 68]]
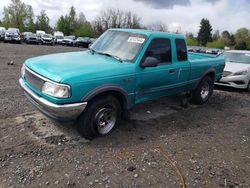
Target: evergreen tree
[[42, 22], [204, 34]]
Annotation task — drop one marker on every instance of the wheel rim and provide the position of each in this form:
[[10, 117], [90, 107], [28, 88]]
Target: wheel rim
[[205, 91], [105, 119]]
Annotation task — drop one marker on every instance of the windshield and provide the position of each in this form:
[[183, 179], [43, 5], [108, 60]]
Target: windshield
[[69, 37], [32, 35], [237, 57], [10, 32], [59, 37], [47, 36], [86, 39], [121, 44]]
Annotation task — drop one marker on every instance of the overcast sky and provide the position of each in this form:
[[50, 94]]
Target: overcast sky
[[185, 14]]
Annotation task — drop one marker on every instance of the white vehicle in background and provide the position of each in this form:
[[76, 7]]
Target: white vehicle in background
[[39, 34], [2, 33], [69, 40], [25, 35], [58, 37], [47, 39], [12, 36], [237, 70], [15, 30]]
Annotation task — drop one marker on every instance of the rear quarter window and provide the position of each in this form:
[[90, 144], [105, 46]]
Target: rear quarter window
[[181, 49]]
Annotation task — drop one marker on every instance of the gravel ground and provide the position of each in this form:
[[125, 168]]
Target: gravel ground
[[163, 145]]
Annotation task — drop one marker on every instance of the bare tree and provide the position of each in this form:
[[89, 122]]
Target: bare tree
[[158, 26], [115, 18]]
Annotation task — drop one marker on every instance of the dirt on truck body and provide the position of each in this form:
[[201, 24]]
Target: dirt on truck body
[[162, 145]]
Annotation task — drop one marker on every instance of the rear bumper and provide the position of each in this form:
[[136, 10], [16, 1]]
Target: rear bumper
[[61, 112], [240, 81]]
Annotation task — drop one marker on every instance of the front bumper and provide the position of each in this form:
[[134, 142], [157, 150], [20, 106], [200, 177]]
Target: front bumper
[[240, 81], [62, 112], [47, 42], [10, 39]]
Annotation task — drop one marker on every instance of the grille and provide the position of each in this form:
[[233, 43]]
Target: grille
[[34, 81], [47, 40], [226, 73]]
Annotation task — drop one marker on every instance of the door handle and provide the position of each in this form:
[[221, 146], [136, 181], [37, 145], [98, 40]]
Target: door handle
[[171, 70]]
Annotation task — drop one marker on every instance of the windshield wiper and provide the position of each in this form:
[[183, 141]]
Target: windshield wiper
[[113, 56]]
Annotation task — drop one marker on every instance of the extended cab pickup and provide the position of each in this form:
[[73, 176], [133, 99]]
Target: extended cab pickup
[[122, 68]]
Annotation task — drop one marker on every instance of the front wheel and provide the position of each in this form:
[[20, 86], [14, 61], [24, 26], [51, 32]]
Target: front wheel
[[203, 91], [100, 117]]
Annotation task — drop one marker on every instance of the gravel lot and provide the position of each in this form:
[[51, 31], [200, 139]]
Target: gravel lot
[[163, 145]]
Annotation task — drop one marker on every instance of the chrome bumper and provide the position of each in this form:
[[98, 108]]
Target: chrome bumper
[[62, 112]]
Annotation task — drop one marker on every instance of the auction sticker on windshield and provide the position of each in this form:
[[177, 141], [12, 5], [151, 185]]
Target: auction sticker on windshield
[[136, 40]]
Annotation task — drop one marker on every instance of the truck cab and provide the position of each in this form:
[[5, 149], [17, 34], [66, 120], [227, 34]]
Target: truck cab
[[123, 67]]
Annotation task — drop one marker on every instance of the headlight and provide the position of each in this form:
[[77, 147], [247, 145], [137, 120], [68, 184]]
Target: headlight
[[56, 90], [23, 71], [243, 72]]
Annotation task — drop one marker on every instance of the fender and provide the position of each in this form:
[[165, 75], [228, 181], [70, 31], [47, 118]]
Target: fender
[[109, 88], [211, 70]]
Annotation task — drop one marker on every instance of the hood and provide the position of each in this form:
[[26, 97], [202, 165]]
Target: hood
[[235, 67], [70, 40], [47, 38], [78, 66]]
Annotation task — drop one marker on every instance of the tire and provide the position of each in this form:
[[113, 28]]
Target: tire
[[203, 91], [100, 117], [248, 87]]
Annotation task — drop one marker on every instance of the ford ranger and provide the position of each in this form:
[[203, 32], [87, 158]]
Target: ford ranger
[[122, 68]]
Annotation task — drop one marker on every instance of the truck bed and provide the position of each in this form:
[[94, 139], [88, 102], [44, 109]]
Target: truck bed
[[195, 56]]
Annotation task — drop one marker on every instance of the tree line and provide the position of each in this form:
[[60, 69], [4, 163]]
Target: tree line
[[239, 40], [21, 15]]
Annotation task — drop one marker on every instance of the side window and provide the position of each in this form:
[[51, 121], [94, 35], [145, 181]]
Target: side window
[[160, 48], [181, 49]]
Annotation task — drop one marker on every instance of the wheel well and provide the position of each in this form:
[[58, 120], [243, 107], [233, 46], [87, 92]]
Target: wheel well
[[119, 96], [211, 75]]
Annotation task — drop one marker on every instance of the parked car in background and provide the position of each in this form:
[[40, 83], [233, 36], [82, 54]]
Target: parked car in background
[[68, 40], [39, 34], [47, 39], [58, 37], [31, 38], [2, 33], [16, 30], [124, 67], [24, 35], [83, 42], [237, 70], [12, 36]]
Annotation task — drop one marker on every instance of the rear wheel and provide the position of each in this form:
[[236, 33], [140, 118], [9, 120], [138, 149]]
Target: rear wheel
[[100, 117], [248, 87], [203, 92]]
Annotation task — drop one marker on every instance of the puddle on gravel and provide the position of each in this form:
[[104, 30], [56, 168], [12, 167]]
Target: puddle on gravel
[[48, 132]]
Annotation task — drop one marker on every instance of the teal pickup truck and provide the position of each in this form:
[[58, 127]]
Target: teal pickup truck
[[124, 67]]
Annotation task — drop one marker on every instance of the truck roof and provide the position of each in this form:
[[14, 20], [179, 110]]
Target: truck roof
[[149, 32]]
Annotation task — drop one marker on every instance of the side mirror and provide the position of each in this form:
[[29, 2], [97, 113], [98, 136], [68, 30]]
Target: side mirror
[[150, 62]]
